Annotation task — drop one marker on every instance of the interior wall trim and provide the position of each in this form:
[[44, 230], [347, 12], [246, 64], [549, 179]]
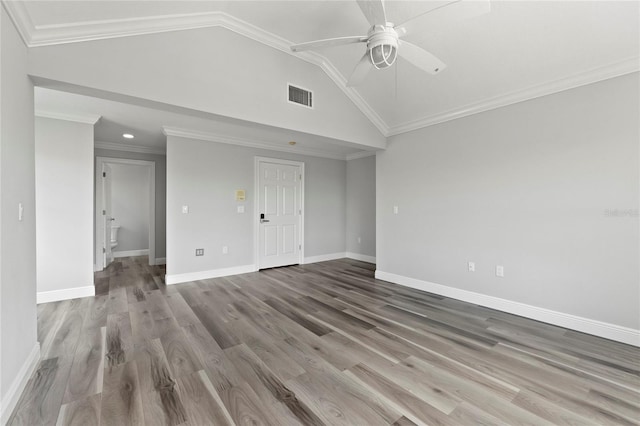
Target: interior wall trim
[[131, 253], [204, 275], [65, 294], [130, 148], [361, 257], [359, 155], [615, 332], [324, 257], [595, 75], [236, 270], [78, 118], [12, 395]]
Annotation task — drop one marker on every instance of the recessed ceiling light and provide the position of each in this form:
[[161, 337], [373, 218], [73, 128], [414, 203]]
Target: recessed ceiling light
[[127, 136], [292, 143]]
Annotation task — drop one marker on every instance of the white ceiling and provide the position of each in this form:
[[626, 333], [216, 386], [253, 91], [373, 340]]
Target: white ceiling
[[521, 49]]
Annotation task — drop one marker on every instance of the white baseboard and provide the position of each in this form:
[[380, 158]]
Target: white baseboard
[[130, 253], [618, 333], [161, 261], [361, 257], [65, 294], [324, 257], [12, 396], [203, 275]]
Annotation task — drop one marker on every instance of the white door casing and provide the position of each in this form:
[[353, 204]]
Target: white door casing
[[107, 255], [279, 212]]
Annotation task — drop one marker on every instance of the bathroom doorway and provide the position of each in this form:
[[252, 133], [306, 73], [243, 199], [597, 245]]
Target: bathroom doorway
[[125, 210]]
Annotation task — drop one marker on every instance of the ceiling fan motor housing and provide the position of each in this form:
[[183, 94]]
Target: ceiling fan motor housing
[[382, 45]]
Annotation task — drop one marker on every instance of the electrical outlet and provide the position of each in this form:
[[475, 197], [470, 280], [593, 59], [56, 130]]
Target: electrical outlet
[[225, 250], [185, 209], [395, 209], [471, 266], [499, 271], [199, 252], [359, 240]]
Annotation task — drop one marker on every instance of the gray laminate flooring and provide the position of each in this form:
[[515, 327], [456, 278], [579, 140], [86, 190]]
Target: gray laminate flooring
[[316, 344]]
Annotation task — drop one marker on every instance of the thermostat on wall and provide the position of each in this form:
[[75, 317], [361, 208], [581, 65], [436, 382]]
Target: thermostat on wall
[[240, 195]]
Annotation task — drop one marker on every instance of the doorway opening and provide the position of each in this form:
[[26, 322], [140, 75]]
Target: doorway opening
[[124, 210]]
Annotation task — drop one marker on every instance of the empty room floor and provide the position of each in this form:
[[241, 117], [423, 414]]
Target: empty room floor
[[324, 343]]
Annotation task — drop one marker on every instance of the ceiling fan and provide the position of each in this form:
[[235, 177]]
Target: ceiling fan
[[383, 38]]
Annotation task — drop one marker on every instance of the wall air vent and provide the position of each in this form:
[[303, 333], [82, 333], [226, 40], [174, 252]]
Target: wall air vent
[[300, 96]]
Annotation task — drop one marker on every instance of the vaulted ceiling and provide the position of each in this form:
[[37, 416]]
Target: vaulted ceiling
[[520, 50]]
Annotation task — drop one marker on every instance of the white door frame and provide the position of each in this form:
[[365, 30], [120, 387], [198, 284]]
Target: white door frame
[[98, 233], [256, 209]]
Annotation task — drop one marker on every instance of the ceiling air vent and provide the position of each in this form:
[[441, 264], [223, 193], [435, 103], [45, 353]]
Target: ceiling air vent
[[300, 96]]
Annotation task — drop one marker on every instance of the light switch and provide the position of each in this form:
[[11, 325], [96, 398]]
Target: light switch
[[395, 209], [240, 209], [185, 209], [20, 212]]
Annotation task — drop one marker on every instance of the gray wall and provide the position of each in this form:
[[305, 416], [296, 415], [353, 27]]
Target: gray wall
[[130, 206], [17, 185], [361, 206], [204, 176], [64, 204], [549, 188], [161, 191]]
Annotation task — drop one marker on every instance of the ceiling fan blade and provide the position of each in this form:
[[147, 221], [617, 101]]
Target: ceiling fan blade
[[420, 58], [374, 11], [319, 44], [360, 71], [445, 15]]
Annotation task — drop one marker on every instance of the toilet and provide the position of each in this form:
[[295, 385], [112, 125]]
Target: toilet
[[114, 235]]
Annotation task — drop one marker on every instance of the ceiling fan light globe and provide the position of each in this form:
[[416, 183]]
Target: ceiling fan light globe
[[383, 55]]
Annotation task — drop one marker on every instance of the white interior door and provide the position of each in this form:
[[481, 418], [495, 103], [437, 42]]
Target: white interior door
[[106, 214], [280, 194]]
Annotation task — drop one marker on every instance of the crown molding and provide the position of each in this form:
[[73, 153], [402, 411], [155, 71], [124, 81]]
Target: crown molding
[[595, 75], [251, 143], [361, 154], [78, 118], [130, 148], [21, 19]]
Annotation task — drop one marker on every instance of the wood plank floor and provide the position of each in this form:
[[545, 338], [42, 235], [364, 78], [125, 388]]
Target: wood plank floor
[[317, 344]]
